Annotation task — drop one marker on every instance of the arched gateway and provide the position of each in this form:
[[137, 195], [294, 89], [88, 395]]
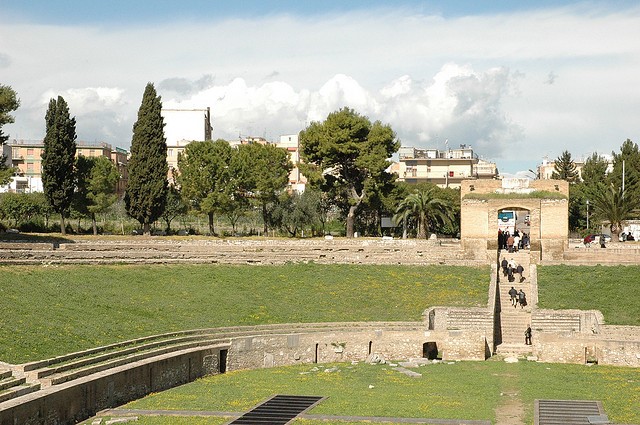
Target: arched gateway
[[544, 203]]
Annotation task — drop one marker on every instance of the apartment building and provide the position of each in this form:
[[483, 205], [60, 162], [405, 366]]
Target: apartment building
[[546, 169], [26, 156], [445, 168], [291, 143]]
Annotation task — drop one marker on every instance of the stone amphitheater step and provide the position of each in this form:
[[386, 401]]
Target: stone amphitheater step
[[12, 386], [518, 349], [18, 391], [11, 381], [76, 365], [56, 377]]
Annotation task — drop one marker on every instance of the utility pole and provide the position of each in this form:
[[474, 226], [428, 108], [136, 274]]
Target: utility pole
[[587, 215]]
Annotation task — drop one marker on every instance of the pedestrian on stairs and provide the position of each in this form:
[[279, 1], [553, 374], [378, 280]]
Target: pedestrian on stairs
[[520, 271], [522, 298], [513, 293], [527, 335], [504, 263]]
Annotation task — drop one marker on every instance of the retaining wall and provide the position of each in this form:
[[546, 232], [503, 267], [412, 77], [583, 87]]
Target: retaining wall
[[245, 251], [80, 399]]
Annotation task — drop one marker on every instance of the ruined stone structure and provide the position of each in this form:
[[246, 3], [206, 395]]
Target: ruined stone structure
[[481, 200], [74, 387]]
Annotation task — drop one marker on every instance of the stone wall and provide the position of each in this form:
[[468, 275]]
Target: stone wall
[[82, 398], [548, 218], [244, 251], [570, 347]]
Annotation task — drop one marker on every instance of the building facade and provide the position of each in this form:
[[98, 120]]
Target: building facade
[[546, 168], [445, 168], [26, 157]]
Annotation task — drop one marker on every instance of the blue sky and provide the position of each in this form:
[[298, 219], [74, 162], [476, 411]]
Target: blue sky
[[516, 83], [135, 11]]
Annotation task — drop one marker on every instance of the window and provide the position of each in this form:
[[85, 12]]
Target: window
[[170, 152], [30, 167], [30, 152]]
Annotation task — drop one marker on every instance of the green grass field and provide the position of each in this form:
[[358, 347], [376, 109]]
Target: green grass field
[[52, 310], [610, 289], [462, 390], [49, 311]]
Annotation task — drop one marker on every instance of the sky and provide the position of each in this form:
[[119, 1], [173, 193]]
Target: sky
[[518, 81]]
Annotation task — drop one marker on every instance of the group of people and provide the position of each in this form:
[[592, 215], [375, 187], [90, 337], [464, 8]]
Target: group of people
[[513, 242], [518, 297], [510, 268]]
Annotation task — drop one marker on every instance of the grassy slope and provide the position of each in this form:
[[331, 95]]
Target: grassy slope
[[610, 289], [469, 390], [49, 311]]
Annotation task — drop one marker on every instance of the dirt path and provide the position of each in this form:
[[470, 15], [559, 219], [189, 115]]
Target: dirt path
[[510, 409]]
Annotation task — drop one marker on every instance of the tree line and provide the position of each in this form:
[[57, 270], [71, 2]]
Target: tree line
[[608, 194], [345, 159]]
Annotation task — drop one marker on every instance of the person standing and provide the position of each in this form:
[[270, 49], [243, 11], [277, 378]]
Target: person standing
[[516, 241], [527, 335], [601, 240]]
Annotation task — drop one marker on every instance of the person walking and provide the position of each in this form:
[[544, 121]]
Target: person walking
[[601, 241], [527, 335], [522, 298], [513, 294], [504, 263], [520, 271]]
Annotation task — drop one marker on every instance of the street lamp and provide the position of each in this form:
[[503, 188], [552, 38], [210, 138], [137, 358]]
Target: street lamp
[[587, 215]]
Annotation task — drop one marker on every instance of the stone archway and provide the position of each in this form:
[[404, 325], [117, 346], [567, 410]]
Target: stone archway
[[513, 220], [546, 201]]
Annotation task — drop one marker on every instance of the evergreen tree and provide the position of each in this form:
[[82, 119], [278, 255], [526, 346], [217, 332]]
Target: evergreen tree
[[58, 158], [146, 194], [95, 187], [344, 152], [175, 206], [630, 156], [565, 168], [205, 176], [264, 171], [594, 170], [8, 102]]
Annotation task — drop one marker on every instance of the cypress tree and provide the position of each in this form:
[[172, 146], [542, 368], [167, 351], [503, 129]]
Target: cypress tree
[[146, 194], [58, 158]]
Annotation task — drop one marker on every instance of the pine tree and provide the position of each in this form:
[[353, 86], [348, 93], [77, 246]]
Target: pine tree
[[565, 168], [58, 158], [9, 102], [146, 194], [629, 156]]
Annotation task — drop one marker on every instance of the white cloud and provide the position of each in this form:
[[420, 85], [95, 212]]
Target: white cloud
[[481, 80]]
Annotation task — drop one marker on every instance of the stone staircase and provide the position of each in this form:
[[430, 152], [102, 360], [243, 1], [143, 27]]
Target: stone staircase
[[12, 386], [514, 320]]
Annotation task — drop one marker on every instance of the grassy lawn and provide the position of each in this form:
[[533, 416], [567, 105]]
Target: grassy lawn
[[461, 390], [53, 310], [609, 289]]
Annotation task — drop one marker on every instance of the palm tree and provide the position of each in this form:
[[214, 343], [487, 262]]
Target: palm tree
[[425, 206], [614, 206]]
